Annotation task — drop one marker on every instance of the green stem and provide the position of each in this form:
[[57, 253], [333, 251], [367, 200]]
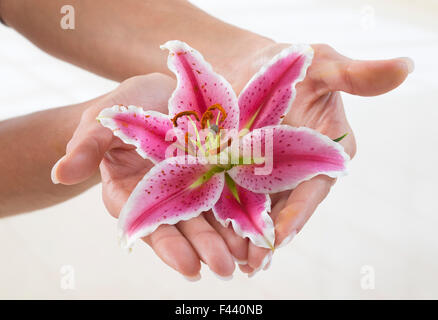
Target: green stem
[[232, 186], [206, 176]]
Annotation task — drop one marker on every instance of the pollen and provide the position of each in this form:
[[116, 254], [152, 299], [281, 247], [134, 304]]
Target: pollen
[[184, 113], [212, 143], [217, 106]]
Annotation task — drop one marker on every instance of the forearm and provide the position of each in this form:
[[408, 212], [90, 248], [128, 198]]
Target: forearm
[[30, 145], [120, 39]]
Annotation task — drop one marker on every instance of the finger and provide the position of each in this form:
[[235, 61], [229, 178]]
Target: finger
[[366, 78], [259, 258], [91, 140], [83, 154], [237, 245], [245, 268], [301, 204], [175, 251], [209, 245]]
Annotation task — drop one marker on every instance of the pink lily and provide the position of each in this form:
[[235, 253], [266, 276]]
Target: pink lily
[[181, 187]]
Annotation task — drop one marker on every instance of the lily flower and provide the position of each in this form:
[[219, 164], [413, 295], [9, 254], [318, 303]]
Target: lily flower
[[182, 186]]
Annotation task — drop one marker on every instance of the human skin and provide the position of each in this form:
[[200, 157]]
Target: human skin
[[121, 39], [104, 32], [183, 246], [30, 146]]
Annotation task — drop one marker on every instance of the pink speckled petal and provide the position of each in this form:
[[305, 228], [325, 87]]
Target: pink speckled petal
[[166, 195], [144, 129], [298, 154], [249, 218], [270, 93], [198, 86]]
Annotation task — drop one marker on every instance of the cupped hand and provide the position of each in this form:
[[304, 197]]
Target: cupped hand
[[318, 105], [182, 246]]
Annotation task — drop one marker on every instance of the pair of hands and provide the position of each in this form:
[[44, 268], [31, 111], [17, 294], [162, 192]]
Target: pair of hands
[[183, 246]]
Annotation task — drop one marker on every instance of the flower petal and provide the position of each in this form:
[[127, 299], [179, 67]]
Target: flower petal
[[144, 129], [292, 155], [269, 94], [170, 192], [198, 86], [249, 217]]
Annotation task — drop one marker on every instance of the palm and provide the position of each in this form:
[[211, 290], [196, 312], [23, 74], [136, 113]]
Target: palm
[[321, 109], [318, 105], [121, 169], [326, 115]]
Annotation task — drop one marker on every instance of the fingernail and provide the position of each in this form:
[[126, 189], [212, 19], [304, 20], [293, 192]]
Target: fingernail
[[410, 64], [288, 239], [265, 261], [222, 277], [194, 278], [243, 262], [53, 173], [252, 274], [268, 265]]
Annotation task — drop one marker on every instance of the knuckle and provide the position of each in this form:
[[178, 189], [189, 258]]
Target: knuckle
[[346, 77], [209, 235]]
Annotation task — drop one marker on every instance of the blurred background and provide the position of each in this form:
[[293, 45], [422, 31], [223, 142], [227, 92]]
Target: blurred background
[[374, 237]]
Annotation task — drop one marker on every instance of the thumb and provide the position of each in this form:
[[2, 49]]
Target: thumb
[[84, 154], [299, 207], [367, 78]]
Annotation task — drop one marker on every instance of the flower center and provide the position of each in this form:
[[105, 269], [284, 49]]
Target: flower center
[[208, 140]]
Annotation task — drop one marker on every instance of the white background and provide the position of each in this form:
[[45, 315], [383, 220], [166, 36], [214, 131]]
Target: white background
[[384, 214]]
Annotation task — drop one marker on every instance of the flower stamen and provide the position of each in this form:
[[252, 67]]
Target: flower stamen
[[217, 106], [208, 115], [213, 140], [184, 113]]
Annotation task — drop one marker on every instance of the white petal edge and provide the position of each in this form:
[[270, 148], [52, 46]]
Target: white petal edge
[[324, 138], [304, 49], [175, 45], [106, 119], [127, 242], [258, 240]]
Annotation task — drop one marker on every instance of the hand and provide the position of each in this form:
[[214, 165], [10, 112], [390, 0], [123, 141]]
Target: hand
[[318, 105], [181, 246], [184, 245]]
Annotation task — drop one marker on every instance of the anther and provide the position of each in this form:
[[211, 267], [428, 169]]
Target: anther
[[208, 115], [217, 106], [184, 113]]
